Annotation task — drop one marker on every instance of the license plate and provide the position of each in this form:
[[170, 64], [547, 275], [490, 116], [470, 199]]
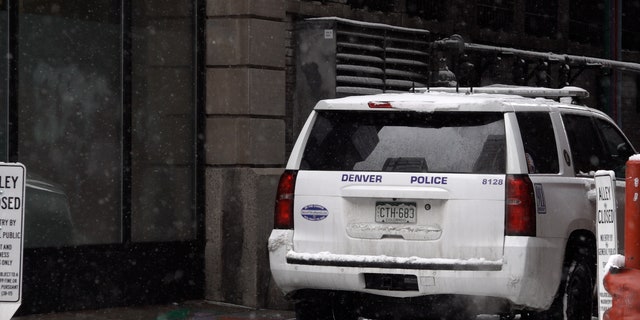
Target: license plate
[[396, 212]]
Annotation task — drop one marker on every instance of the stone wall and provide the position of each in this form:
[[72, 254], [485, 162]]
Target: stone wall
[[244, 144]]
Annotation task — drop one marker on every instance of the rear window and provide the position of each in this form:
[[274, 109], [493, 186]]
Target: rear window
[[452, 142]]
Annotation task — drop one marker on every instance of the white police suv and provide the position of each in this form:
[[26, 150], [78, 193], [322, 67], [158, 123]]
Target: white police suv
[[402, 206]]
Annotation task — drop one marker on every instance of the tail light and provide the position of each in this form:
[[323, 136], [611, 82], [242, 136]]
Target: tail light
[[283, 216], [380, 104], [521, 210]]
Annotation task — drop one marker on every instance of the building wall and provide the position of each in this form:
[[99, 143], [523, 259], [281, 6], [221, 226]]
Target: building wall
[[244, 144], [250, 83]]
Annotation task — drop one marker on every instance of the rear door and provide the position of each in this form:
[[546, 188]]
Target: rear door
[[562, 198], [596, 144], [616, 150], [403, 184]]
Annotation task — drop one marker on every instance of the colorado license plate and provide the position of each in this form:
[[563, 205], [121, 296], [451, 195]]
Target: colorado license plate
[[396, 212]]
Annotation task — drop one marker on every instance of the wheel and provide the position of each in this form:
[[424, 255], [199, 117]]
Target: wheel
[[574, 300], [507, 316], [578, 292], [326, 307]]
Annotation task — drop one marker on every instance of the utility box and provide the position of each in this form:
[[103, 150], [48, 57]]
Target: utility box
[[338, 57]]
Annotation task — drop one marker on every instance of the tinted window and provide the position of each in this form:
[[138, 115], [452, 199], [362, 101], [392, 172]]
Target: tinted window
[[407, 141], [105, 120], [69, 117], [596, 144], [617, 148], [539, 142]]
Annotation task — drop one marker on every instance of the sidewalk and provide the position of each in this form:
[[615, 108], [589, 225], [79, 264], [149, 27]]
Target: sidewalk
[[191, 310]]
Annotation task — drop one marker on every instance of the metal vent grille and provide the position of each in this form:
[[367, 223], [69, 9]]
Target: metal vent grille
[[372, 58], [337, 57], [406, 61]]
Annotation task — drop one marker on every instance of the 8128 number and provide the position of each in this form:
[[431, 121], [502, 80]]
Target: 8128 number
[[492, 181]]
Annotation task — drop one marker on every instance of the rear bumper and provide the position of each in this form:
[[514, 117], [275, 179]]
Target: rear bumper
[[385, 262], [527, 276]]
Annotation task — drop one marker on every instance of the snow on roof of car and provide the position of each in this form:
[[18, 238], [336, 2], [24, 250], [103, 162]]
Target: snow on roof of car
[[523, 91], [493, 98]]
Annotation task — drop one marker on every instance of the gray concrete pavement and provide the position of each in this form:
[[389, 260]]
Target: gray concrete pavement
[[191, 310]]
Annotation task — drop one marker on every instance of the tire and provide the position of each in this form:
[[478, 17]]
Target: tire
[[575, 299], [578, 292]]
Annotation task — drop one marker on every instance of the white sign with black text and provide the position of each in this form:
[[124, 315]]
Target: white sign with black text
[[12, 190], [607, 237]]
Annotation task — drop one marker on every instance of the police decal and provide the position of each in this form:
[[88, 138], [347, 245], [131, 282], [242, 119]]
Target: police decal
[[314, 212]]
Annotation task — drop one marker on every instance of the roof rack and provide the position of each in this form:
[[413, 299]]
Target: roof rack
[[533, 92]]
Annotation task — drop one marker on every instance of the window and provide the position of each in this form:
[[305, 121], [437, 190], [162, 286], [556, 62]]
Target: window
[[103, 111], [586, 21], [70, 109], [106, 119], [541, 18], [163, 128], [585, 144], [495, 15], [407, 141], [539, 142], [596, 145], [630, 32], [427, 9], [617, 148]]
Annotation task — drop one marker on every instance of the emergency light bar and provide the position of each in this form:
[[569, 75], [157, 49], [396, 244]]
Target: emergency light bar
[[532, 92]]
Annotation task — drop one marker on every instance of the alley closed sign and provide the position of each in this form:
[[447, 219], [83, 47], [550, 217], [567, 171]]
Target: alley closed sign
[[12, 190], [607, 237]]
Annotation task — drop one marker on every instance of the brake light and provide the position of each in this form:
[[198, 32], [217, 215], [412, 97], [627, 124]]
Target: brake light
[[520, 207], [283, 216], [380, 105]]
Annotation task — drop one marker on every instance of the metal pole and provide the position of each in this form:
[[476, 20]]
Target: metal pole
[[624, 283], [457, 43], [572, 59], [632, 214]]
